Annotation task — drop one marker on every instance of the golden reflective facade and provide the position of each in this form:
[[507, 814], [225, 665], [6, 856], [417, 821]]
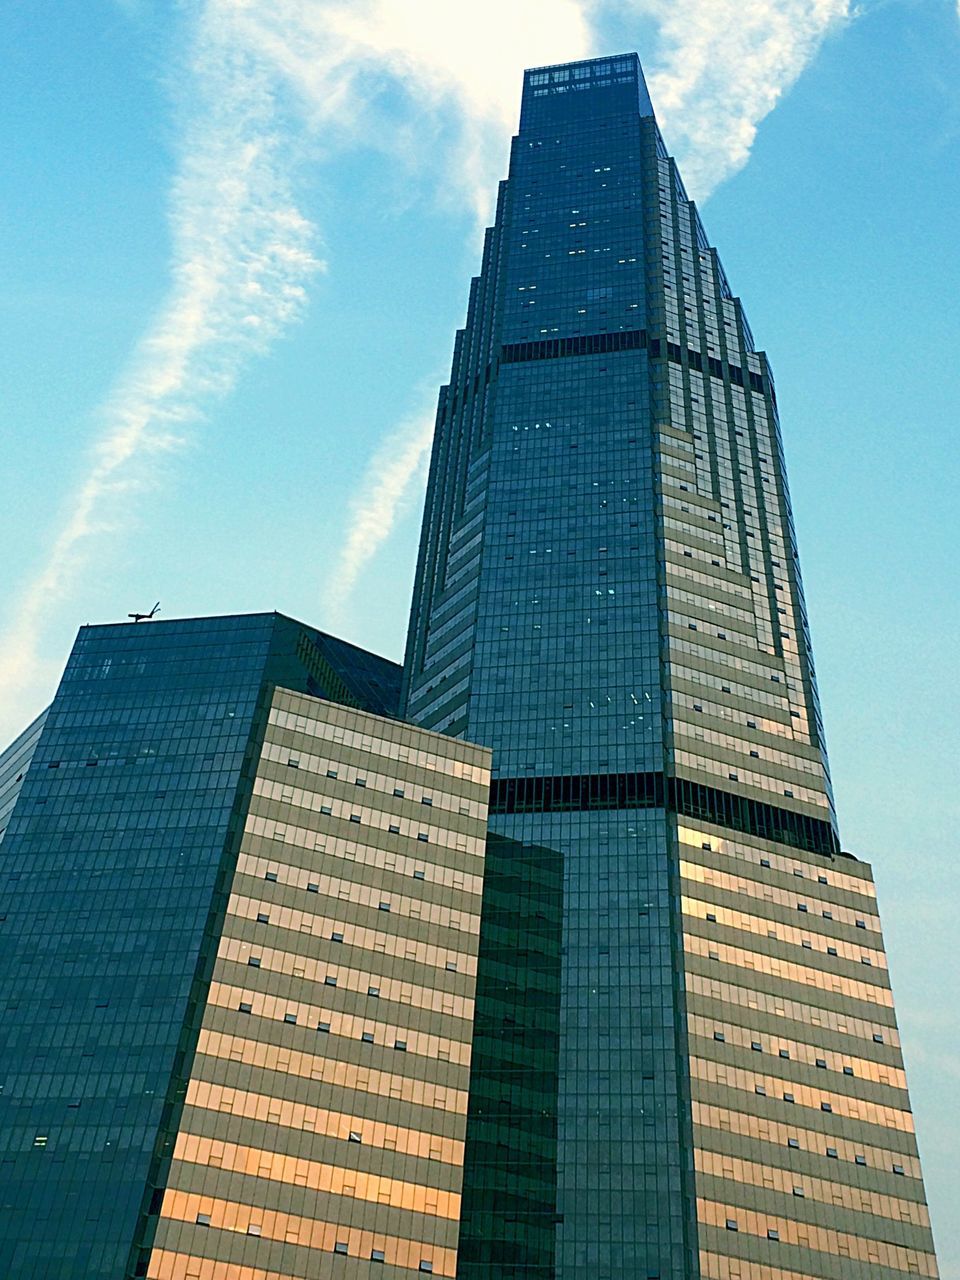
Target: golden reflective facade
[[325, 1110], [805, 1159]]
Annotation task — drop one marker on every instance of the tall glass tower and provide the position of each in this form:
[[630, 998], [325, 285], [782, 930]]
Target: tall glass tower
[[685, 1058]]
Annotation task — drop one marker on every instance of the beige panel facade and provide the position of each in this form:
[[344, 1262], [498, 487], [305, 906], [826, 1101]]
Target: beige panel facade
[[324, 1119], [804, 1148]]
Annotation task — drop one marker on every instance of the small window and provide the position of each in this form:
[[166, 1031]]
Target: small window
[[326, 809], [784, 1053], [331, 773], [203, 1219], [373, 991], [401, 1045], [732, 1224], [426, 800], [262, 918], [451, 966], [366, 1037], [805, 942], [822, 1062], [394, 829], [828, 915], [826, 1106], [718, 1035], [866, 960], [384, 906], [860, 1159], [788, 1097], [398, 791], [756, 1046], [877, 1038], [848, 1071], [831, 951], [794, 1143], [898, 1168], [254, 962], [419, 875], [354, 817], [861, 924], [323, 1026], [377, 1255], [426, 1265], [761, 1089], [832, 1153], [294, 762], [341, 1247], [336, 937], [329, 980], [773, 1233], [798, 1191], [355, 1136], [711, 917], [312, 887], [270, 875], [765, 862], [246, 1006], [253, 1229], [290, 1017], [422, 835], [801, 906], [822, 880]]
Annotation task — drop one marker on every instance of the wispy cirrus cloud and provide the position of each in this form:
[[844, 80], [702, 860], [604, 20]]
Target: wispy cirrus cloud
[[720, 68], [264, 85]]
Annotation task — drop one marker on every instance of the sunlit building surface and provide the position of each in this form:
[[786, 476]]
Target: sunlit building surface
[[238, 950], [706, 1079]]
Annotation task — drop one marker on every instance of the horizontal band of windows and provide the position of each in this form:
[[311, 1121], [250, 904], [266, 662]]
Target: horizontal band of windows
[[774, 1088], [786, 970], [404, 905], [303, 859], [326, 973], [585, 344], [710, 1119], [311, 1019], [249, 1220], [322, 927], [344, 1075], [760, 889], [332, 1124], [317, 1176], [778, 1006], [591, 344], [386, 750], [716, 1266], [792, 1183], [835, 1244], [783, 1049], [809, 939], [840, 875], [566, 792]]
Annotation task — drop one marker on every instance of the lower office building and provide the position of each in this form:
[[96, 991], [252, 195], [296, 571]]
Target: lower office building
[[238, 950]]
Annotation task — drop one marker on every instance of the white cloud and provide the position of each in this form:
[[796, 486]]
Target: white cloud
[[399, 462], [721, 68]]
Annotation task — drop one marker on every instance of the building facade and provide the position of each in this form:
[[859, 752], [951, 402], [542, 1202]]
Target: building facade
[[608, 596], [238, 943]]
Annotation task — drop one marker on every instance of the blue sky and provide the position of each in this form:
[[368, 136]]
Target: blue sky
[[237, 239]]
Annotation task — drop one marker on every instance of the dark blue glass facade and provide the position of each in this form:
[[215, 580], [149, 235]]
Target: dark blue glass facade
[[607, 481], [112, 875]]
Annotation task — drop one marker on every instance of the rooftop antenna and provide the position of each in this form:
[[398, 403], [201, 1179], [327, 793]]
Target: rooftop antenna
[[145, 617]]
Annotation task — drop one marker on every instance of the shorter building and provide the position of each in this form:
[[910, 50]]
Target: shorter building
[[238, 941]]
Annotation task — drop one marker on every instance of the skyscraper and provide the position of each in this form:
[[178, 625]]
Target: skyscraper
[[239, 918], [705, 1078]]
